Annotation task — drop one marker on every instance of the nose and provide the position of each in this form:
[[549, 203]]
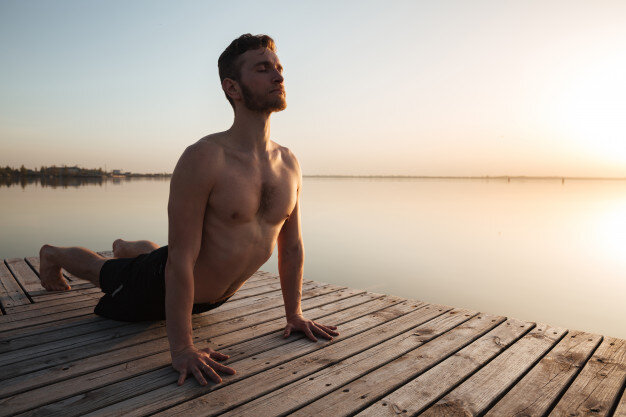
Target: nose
[[278, 77]]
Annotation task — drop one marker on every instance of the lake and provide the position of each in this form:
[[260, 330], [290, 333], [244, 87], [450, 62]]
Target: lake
[[538, 250]]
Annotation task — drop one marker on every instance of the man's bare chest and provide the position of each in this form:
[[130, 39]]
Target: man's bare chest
[[241, 198]]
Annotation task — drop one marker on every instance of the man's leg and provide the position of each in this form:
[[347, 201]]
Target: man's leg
[[130, 249], [81, 262]]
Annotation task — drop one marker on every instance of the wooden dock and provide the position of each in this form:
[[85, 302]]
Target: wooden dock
[[393, 357]]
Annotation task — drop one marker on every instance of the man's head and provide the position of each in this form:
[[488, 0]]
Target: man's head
[[250, 72]]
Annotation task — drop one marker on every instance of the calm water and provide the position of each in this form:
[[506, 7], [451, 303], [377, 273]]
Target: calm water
[[537, 250]]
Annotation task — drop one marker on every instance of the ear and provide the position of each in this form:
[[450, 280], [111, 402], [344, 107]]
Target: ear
[[231, 88]]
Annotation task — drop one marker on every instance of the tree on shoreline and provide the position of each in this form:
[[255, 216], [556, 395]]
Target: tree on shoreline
[[65, 172]]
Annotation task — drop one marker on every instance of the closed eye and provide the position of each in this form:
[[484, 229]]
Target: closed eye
[[264, 66]]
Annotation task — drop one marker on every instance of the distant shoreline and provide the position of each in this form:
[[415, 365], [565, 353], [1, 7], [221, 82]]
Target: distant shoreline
[[71, 172]]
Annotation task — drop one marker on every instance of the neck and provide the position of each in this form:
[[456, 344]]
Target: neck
[[250, 131]]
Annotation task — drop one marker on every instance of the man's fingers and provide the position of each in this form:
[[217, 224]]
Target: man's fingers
[[327, 329], [321, 332], [309, 333], [215, 354], [211, 373], [287, 332], [219, 367], [219, 356], [181, 378], [198, 375]]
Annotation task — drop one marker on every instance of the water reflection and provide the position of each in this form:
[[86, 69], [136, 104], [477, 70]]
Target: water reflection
[[65, 182]]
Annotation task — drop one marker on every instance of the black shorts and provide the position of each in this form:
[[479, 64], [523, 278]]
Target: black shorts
[[135, 288]]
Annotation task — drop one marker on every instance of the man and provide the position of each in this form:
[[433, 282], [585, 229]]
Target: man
[[233, 196]]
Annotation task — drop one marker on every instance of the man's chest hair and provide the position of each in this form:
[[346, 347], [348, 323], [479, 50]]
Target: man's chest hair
[[271, 198]]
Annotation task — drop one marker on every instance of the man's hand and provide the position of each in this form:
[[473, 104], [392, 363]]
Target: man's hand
[[199, 361], [308, 327]]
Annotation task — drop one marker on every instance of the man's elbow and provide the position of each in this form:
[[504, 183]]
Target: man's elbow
[[178, 268], [292, 253]]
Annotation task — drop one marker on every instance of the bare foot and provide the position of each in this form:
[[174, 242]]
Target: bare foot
[[49, 273], [130, 249], [119, 246]]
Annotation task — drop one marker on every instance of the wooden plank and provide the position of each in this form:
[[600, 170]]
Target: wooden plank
[[71, 322], [249, 383], [74, 287], [48, 343], [25, 275], [236, 301], [25, 316], [598, 386], [261, 281], [122, 357], [417, 394], [11, 294], [73, 304], [259, 303], [536, 393], [43, 305], [268, 356], [48, 318], [55, 317], [60, 327], [107, 338], [621, 406], [58, 295], [352, 397], [343, 385], [481, 390], [205, 326], [161, 374], [124, 334]]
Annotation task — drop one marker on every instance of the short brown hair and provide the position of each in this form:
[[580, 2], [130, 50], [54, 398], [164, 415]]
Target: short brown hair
[[228, 64]]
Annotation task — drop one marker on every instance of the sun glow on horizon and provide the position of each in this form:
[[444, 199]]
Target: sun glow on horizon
[[589, 107]]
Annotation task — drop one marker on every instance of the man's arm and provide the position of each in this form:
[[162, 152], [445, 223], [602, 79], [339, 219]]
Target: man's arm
[[190, 187], [290, 268], [291, 262]]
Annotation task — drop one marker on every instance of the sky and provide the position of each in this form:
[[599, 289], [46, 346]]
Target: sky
[[451, 88]]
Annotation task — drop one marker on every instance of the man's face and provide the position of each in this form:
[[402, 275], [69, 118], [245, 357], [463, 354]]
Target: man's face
[[261, 81]]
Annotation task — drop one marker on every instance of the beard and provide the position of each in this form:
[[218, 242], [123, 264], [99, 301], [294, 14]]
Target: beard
[[269, 103]]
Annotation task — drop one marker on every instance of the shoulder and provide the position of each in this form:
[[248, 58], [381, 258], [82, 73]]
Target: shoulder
[[204, 155], [290, 162], [210, 146], [288, 158]]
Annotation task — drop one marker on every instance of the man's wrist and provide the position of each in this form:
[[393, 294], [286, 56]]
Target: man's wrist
[[179, 349], [293, 315]]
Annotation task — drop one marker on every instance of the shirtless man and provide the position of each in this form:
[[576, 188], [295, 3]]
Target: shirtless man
[[233, 196]]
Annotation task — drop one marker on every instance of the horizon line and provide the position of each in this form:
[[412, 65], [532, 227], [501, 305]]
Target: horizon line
[[543, 177], [499, 176]]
